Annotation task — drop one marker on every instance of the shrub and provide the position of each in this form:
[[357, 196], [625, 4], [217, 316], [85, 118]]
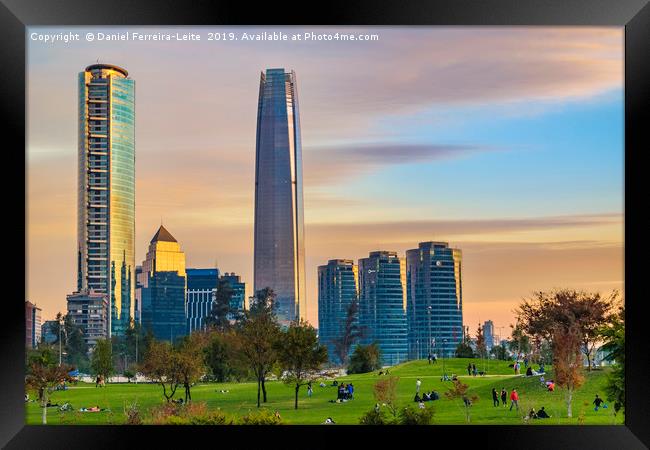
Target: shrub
[[373, 417], [132, 414], [365, 358], [263, 417], [415, 416], [188, 414]]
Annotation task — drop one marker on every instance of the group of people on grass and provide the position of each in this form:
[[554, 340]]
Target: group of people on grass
[[426, 397], [100, 382], [471, 370], [432, 358], [345, 392]]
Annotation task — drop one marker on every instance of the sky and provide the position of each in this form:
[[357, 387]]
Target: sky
[[506, 142]]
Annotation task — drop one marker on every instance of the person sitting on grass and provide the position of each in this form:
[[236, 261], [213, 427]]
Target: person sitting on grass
[[426, 397], [532, 414], [421, 405], [329, 421], [550, 385], [541, 414], [417, 398], [434, 396], [529, 372], [322, 384]]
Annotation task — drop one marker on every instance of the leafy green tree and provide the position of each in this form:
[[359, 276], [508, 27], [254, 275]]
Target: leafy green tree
[[300, 355], [464, 350], [219, 317], [44, 374], [613, 334], [73, 344], [190, 361], [519, 341], [101, 362], [481, 348], [366, 358], [162, 366], [259, 332], [222, 355], [499, 352]]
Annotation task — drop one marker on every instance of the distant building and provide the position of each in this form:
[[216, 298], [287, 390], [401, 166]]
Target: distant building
[[337, 289], [199, 297], [238, 299], [382, 304], [434, 299], [488, 334], [89, 310], [137, 306], [163, 283], [49, 332], [32, 325]]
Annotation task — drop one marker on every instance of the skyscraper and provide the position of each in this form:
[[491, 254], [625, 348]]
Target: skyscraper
[[279, 220], [337, 289], [163, 287], [434, 299], [488, 334], [382, 304], [238, 299], [89, 310], [106, 189], [199, 297]]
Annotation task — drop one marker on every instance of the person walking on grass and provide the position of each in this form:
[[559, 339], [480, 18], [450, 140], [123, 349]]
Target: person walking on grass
[[495, 397], [418, 383], [514, 399], [504, 397], [310, 391], [598, 401]]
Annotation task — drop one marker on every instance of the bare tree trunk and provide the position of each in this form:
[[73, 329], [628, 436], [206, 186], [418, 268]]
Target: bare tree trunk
[[44, 403], [569, 399], [263, 391], [295, 406], [258, 392]]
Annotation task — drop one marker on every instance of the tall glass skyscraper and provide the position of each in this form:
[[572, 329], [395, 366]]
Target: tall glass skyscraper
[[106, 189], [337, 289], [434, 299], [279, 219], [163, 287], [382, 304]]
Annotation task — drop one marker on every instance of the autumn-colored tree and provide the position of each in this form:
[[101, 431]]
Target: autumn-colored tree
[[300, 355], [161, 365], [259, 332], [44, 374], [190, 362], [385, 391], [459, 390], [351, 332], [567, 362]]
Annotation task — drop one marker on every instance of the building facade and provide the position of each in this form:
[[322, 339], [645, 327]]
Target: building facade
[[32, 325], [488, 334], [434, 299], [201, 288], [338, 288], [49, 332], [89, 310], [163, 281], [382, 304], [106, 189], [238, 299], [279, 253]]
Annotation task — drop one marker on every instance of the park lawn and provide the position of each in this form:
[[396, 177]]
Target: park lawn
[[241, 398]]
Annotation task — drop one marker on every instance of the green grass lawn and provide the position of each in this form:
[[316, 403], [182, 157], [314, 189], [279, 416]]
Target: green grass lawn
[[241, 398]]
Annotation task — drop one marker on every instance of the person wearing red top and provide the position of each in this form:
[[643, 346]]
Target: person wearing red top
[[514, 399]]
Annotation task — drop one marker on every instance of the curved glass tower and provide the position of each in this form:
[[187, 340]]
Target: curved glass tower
[[279, 219], [106, 189]]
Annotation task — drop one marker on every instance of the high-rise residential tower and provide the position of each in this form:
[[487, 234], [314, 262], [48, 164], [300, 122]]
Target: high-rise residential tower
[[106, 189], [382, 304], [488, 334], [434, 299], [279, 220], [163, 284], [337, 290]]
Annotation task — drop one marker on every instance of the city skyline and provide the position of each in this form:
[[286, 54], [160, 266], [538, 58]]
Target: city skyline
[[507, 166]]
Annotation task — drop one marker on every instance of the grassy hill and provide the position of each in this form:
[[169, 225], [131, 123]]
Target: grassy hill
[[241, 397]]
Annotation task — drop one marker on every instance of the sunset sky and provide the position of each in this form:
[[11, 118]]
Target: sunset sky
[[505, 142]]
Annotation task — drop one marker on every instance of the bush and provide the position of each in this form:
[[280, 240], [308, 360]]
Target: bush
[[263, 417], [415, 416], [188, 414], [373, 417], [132, 414], [366, 358]]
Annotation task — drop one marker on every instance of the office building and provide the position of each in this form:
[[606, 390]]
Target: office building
[[382, 304], [488, 334], [163, 281], [32, 325], [337, 290], [49, 332], [238, 299], [279, 252], [106, 189], [89, 310], [434, 299], [199, 298]]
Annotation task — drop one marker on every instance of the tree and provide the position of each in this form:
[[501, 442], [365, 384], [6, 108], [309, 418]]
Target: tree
[[519, 341], [44, 374], [101, 362], [385, 391], [300, 355], [161, 365], [481, 348], [351, 332], [613, 334], [219, 317], [73, 345], [567, 362], [499, 352], [189, 359], [365, 358], [222, 355], [259, 332], [459, 390], [464, 350]]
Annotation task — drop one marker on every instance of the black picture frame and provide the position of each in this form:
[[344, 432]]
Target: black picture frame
[[634, 15]]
